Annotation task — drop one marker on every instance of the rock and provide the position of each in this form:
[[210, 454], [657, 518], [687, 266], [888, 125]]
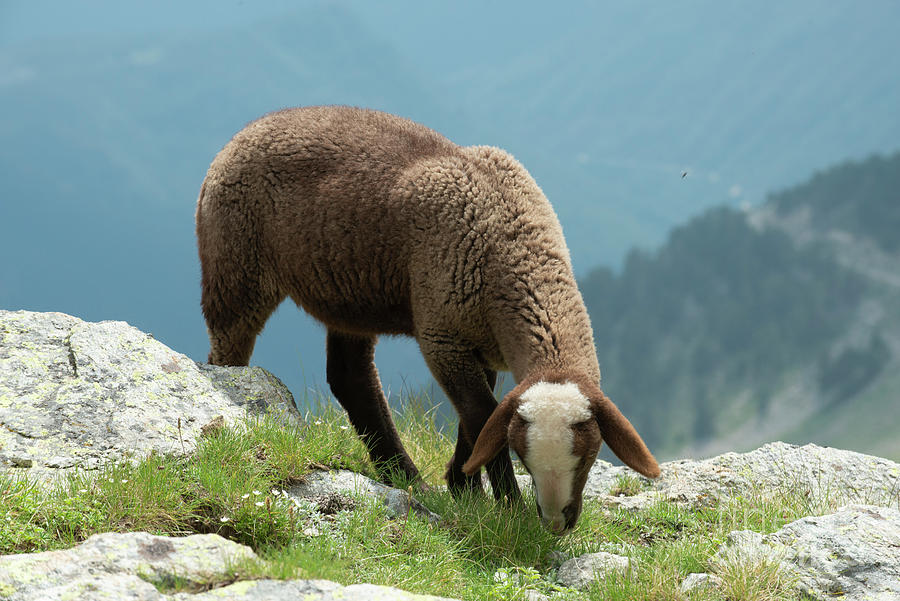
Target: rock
[[700, 582], [831, 477], [131, 566], [81, 394], [268, 590], [123, 566], [582, 571], [853, 553], [532, 595], [330, 486], [305, 590]]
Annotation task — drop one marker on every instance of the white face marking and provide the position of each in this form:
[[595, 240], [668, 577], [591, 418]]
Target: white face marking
[[551, 410]]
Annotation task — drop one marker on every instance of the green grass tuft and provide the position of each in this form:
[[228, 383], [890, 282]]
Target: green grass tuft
[[627, 485]]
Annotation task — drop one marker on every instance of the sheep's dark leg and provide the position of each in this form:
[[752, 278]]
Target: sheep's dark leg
[[237, 293], [235, 314], [469, 387], [354, 381], [456, 479]]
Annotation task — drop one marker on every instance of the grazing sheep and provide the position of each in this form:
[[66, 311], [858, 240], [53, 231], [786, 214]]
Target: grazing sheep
[[375, 225]]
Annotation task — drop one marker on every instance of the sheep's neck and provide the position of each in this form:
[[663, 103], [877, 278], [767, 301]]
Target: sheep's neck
[[546, 326]]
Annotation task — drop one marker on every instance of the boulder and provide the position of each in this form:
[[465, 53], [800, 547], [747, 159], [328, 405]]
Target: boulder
[[305, 590], [338, 487], [699, 582], [140, 566], [853, 553], [127, 565], [830, 477], [581, 571], [76, 394]]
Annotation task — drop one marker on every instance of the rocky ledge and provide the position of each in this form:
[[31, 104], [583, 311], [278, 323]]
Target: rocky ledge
[[75, 394], [137, 566], [827, 477]]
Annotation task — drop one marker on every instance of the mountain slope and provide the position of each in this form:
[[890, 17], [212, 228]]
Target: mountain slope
[[781, 322], [617, 102]]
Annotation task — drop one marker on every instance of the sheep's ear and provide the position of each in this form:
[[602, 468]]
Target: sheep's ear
[[622, 438], [492, 439]]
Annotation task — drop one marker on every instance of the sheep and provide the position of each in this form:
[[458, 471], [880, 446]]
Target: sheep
[[376, 225]]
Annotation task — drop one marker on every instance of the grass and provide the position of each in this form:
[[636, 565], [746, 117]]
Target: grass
[[233, 486], [627, 485]]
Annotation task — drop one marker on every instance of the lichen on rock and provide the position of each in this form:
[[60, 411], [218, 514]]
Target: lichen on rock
[[76, 394], [853, 553], [830, 477], [140, 566]]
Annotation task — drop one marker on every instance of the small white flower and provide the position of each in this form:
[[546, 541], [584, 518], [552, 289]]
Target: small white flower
[[224, 519], [124, 481], [345, 427], [82, 490], [318, 422], [257, 493], [245, 495], [275, 492], [259, 503]]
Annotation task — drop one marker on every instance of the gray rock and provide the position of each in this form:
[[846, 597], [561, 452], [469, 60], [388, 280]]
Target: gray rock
[[831, 477], [268, 590], [582, 571], [119, 566], [306, 590], [127, 566], [320, 485], [81, 394], [700, 582], [853, 553]]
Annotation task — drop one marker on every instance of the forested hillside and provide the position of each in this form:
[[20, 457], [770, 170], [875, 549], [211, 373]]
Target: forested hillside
[[862, 199], [779, 321]]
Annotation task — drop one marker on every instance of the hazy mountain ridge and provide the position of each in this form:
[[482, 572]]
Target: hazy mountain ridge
[[741, 116], [771, 322]]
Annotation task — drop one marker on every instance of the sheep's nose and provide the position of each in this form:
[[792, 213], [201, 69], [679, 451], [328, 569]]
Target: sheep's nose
[[557, 525]]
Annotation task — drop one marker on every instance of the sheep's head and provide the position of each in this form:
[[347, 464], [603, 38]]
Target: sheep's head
[[556, 426]]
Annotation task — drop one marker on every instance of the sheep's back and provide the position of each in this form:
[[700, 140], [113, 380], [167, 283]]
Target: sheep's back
[[314, 188]]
